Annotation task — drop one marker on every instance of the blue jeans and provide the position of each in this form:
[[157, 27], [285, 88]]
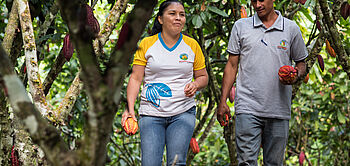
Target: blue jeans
[[252, 131], [175, 132]]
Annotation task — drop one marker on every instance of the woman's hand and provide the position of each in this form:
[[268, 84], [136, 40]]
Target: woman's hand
[[127, 114], [191, 89]]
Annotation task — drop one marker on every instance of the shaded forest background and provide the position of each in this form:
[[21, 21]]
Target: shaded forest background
[[62, 110]]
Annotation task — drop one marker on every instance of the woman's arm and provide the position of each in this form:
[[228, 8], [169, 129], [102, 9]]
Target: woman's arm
[[200, 81], [132, 91]]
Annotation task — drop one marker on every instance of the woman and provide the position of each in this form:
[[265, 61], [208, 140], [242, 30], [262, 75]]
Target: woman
[[167, 61]]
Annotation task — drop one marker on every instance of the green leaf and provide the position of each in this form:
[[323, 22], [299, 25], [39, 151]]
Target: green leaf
[[217, 11], [197, 21], [341, 117]]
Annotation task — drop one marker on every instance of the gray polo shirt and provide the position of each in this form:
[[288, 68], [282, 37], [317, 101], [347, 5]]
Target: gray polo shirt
[[262, 52]]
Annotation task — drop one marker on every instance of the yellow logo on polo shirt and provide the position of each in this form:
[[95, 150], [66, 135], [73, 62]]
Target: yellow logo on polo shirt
[[283, 44]]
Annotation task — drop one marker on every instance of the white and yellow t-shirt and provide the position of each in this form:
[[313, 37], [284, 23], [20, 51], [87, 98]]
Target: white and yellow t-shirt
[[167, 71]]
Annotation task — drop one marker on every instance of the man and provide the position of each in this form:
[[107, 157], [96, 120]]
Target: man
[[258, 47]]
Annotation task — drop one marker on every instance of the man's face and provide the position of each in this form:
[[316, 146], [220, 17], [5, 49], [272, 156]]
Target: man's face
[[263, 7]]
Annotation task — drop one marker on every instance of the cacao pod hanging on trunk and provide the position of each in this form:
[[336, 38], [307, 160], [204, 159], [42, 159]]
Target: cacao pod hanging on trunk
[[288, 73], [318, 25], [92, 23], [345, 10], [329, 49], [302, 1], [130, 126], [320, 62], [194, 146], [301, 158], [68, 48]]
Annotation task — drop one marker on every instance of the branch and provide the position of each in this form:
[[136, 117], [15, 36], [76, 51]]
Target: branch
[[74, 15], [43, 134], [109, 25], [54, 71], [126, 45], [101, 96], [336, 43], [48, 20], [10, 30], [35, 84], [310, 61], [291, 10], [61, 113]]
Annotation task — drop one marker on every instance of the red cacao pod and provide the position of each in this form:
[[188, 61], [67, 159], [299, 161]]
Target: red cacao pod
[[302, 1], [68, 48], [318, 25], [232, 94], [320, 62], [301, 158], [288, 73], [123, 35], [226, 120], [130, 126], [306, 79], [91, 21], [329, 49], [14, 157], [194, 146], [243, 12]]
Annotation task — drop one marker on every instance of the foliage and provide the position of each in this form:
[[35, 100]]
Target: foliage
[[320, 120]]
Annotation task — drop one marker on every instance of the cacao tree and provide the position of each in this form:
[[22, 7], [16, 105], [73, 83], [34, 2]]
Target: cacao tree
[[78, 106]]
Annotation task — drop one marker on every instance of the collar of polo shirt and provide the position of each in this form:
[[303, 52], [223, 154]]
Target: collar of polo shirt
[[279, 23]]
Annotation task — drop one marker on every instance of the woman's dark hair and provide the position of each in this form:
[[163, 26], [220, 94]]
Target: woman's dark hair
[[157, 27]]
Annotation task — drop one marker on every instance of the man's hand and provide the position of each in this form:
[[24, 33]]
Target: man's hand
[[290, 82], [223, 114]]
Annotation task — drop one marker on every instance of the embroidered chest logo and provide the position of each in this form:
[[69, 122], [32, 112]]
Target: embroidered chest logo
[[283, 45], [183, 57]]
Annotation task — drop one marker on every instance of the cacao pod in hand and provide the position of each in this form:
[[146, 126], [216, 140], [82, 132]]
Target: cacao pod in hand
[[194, 146], [329, 49], [68, 48], [306, 79], [225, 122], [320, 62], [243, 12], [288, 73], [232, 94], [130, 126], [301, 158]]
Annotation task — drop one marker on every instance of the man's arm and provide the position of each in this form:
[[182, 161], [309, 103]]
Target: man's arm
[[301, 68], [229, 78]]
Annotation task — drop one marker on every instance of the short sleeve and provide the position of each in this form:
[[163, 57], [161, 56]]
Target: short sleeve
[[298, 48], [139, 57], [199, 61], [234, 42]]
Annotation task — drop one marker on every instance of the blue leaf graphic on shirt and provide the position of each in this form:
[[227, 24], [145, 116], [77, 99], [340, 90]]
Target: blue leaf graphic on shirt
[[154, 90]]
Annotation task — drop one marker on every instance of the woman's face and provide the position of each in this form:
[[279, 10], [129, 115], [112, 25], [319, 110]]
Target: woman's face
[[173, 19]]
